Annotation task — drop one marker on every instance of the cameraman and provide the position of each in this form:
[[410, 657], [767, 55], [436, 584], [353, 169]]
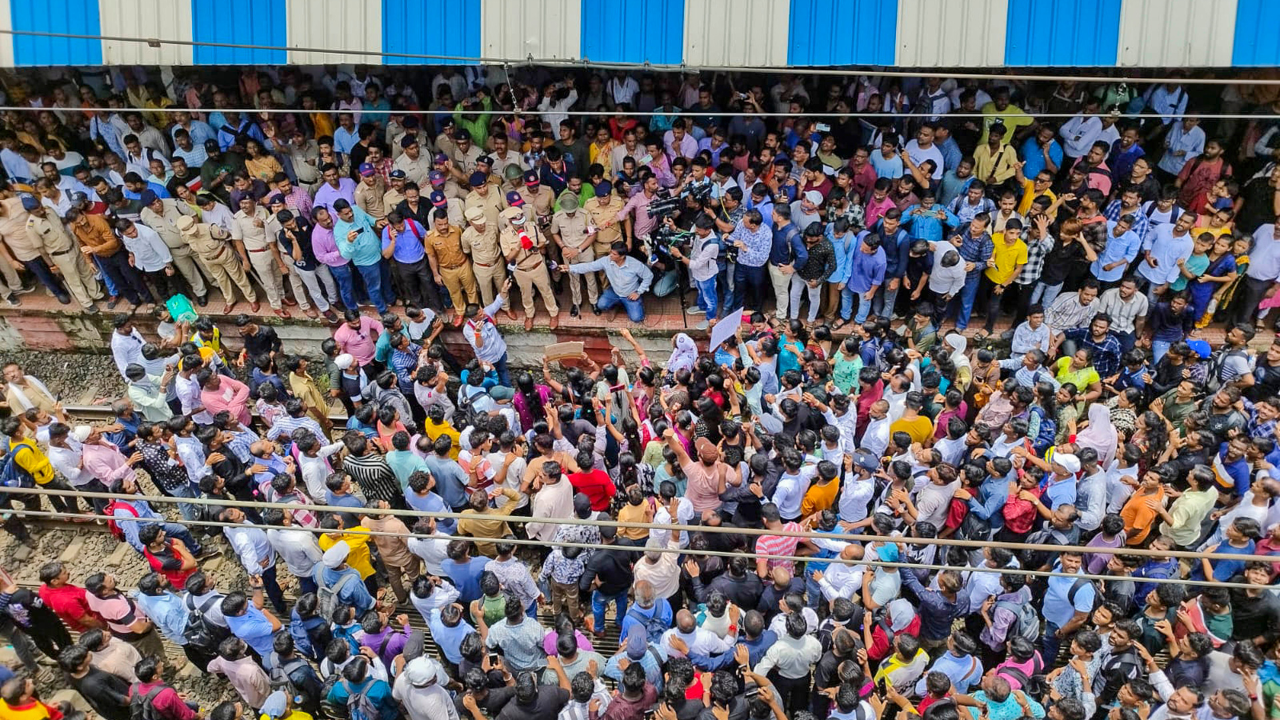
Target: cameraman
[[702, 266]]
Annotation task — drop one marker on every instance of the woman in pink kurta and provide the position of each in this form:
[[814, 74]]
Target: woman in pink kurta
[[220, 393]]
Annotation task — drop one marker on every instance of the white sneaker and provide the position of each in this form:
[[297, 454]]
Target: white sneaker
[[701, 326], [695, 311]]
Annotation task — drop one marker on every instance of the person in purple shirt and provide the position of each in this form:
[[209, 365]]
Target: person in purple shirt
[[383, 638], [866, 275], [334, 188], [402, 245], [326, 251]]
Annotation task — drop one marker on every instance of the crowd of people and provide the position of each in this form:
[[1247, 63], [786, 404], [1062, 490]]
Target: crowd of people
[[1098, 439]]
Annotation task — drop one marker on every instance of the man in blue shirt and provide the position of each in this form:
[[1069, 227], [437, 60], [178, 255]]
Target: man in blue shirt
[[976, 248], [357, 236], [1041, 152], [754, 241], [1068, 602], [866, 276], [251, 621], [229, 134], [787, 254], [1122, 249], [335, 575], [629, 280], [464, 571]]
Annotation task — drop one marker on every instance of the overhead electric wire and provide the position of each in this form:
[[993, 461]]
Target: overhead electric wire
[[529, 60], [731, 529]]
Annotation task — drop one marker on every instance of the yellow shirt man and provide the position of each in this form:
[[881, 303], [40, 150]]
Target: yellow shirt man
[[357, 538], [1006, 259]]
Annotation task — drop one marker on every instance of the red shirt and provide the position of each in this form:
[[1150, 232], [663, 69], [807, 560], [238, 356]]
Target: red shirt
[[169, 564], [69, 602], [597, 486]]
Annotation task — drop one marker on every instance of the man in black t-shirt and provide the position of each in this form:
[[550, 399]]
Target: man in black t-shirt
[[106, 693]]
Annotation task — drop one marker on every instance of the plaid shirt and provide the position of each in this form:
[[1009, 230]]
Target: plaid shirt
[[1036, 250], [1141, 224], [1106, 354], [1257, 428], [976, 250]]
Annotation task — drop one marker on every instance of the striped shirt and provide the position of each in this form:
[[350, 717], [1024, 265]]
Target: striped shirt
[[772, 546], [375, 478], [1123, 314], [286, 424]]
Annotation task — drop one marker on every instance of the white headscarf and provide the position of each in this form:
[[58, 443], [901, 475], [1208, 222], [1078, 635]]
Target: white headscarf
[[1101, 435], [684, 354], [958, 344]]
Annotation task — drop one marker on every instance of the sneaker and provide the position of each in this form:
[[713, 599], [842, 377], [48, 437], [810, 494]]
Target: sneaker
[[701, 326], [575, 311], [64, 299], [695, 311], [112, 302], [13, 301], [25, 289]]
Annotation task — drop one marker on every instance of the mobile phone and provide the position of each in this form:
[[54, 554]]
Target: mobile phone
[[823, 127], [493, 659], [752, 693]]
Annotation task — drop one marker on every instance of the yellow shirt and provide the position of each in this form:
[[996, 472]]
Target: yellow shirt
[[33, 460], [357, 538], [304, 388], [1008, 258], [1029, 195], [820, 496], [434, 430], [919, 428]]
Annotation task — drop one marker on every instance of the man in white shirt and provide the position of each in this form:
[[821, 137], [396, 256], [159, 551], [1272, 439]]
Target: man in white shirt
[[297, 547], [922, 148], [1081, 132], [256, 554], [126, 344]]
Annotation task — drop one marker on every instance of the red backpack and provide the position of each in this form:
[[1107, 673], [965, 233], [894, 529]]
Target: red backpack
[[110, 512]]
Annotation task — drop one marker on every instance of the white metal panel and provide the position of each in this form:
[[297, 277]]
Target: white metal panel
[[145, 19], [334, 25], [539, 28], [736, 32], [6, 40], [952, 33], [1176, 33]]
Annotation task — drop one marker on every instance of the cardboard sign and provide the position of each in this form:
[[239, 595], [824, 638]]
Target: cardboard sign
[[563, 350]]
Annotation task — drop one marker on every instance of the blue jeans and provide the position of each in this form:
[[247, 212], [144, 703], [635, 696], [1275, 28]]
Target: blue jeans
[[1045, 294], [865, 302], [610, 299], [307, 585], [1049, 643], [886, 300], [664, 284], [372, 275], [707, 296], [968, 294], [813, 591], [107, 280], [174, 530], [1158, 349], [346, 287], [187, 510], [504, 374], [600, 602], [1127, 341]]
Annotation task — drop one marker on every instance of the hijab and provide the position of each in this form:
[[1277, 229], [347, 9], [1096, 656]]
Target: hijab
[[684, 354], [958, 344], [1101, 435]]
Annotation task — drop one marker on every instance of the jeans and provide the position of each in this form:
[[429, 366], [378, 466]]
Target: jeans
[[887, 300], [174, 530], [600, 602], [865, 301], [1158, 349], [747, 284], [1127, 341], [812, 591], [665, 283], [113, 290], [1049, 643], [707, 296], [968, 294], [504, 374], [187, 510], [372, 275], [1045, 294], [307, 585], [346, 288], [798, 288], [610, 299], [123, 279], [272, 587]]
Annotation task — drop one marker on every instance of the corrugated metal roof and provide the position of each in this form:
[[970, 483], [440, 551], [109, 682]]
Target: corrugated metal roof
[[1257, 44], [1043, 33], [245, 22], [334, 24], [736, 32], [78, 17], [653, 32], [146, 18], [415, 26], [928, 31], [541, 28], [842, 32], [1176, 33]]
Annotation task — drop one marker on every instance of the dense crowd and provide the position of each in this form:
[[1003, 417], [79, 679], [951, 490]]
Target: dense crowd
[[1102, 423]]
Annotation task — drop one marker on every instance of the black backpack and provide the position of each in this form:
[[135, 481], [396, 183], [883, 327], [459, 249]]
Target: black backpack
[[142, 706], [200, 634]]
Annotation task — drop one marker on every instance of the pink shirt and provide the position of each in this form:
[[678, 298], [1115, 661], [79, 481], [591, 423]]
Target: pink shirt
[[359, 343], [875, 209], [232, 396], [106, 463]]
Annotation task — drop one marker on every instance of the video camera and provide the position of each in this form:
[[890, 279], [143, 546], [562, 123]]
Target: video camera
[[663, 206]]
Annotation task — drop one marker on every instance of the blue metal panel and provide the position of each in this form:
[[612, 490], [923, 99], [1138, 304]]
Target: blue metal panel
[[75, 17], [1256, 41], [654, 32], [1082, 33], [843, 32], [415, 26], [244, 22]]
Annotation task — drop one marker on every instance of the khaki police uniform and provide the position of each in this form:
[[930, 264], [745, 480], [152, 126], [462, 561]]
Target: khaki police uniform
[[212, 245], [251, 230], [451, 264], [480, 241], [573, 232], [48, 233], [531, 267], [165, 225]]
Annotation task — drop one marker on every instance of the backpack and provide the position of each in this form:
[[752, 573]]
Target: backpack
[[143, 706], [359, 706], [465, 412], [653, 625], [11, 473], [1033, 684], [201, 635], [301, 629], [1076, 587], [279, 676], [328, 596], [1027, 622], [112, 524], [1219, 360]]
